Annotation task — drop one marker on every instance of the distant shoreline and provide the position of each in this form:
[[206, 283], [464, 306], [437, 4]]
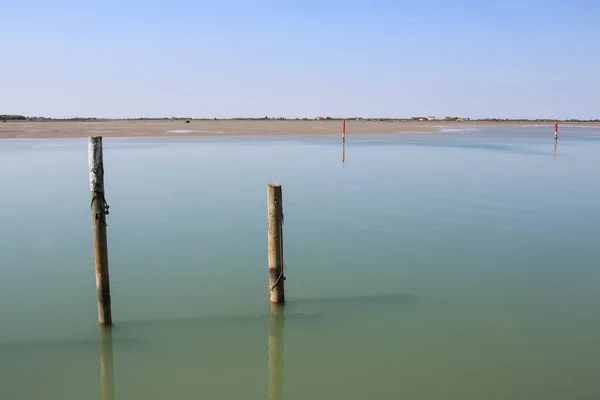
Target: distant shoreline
[[8, 117], [195, 127]]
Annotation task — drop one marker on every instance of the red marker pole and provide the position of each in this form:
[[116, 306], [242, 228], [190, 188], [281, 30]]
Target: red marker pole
[[555, 130], [343, 130]]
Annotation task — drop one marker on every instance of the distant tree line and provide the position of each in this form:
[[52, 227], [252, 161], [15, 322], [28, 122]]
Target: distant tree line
[[6, 117]]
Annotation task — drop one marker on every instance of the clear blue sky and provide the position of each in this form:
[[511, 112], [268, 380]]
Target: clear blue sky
[[303, 58]]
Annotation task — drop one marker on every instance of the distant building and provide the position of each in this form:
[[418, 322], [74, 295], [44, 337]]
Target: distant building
[[430, 118], [420, 118], [320, 118], [456, 119]]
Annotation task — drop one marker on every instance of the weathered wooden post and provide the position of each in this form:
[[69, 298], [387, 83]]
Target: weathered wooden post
[[343, 130], [99, 212], [107, 373], [275, 243], [276, 329]]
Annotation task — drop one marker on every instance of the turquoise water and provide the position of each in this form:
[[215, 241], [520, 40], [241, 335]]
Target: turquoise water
[[456, 265]]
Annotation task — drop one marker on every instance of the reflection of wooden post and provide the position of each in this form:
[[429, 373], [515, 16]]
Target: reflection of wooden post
[[107, 373], [275, 243], [99, 211], [276, 325], [343, 153]]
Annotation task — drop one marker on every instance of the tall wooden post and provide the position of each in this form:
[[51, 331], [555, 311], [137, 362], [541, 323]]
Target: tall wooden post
[[276, 329], [107, 373], [343, 130], [99, 211], [275, 243]]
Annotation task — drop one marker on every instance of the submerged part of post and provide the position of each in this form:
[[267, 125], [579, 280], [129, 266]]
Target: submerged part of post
[[275, 243], [276, 329], [107, 373], [99, 212]]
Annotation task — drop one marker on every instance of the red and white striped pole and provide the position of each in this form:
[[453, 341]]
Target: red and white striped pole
[[343, 130], [555, 130]]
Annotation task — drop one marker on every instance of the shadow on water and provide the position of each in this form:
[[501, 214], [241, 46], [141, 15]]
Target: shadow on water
[[149, 337], [132, 336], [312, 308], [276, 331], [107, 373]]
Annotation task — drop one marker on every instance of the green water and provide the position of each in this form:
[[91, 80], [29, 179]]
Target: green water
[[459, 265]]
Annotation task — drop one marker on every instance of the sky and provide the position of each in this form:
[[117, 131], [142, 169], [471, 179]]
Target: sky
[[278, 58]]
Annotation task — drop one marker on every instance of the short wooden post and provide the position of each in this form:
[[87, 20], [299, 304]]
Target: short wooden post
[[99, 211], [276, 329], [107, 373], [275, 243]]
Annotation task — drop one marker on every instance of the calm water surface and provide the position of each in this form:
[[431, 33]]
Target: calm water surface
[[459, 265]]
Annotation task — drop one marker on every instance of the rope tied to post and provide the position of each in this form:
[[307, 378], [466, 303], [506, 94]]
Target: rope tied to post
[[99, 194], [270, 288], [106, 206]]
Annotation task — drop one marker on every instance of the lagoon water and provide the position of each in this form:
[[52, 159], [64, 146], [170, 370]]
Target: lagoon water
[[457, 265]]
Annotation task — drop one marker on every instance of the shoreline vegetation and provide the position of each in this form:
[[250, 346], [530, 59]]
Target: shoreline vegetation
[[17, 127]]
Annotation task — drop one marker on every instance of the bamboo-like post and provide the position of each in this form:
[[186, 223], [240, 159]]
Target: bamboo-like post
[[276, 329], [275, 243], [99, 211]]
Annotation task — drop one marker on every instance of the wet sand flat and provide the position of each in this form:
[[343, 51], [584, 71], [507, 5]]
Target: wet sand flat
[[116, 128], [141, 128]]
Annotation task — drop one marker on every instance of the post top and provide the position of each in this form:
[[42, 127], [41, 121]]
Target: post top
[[274, 185]]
